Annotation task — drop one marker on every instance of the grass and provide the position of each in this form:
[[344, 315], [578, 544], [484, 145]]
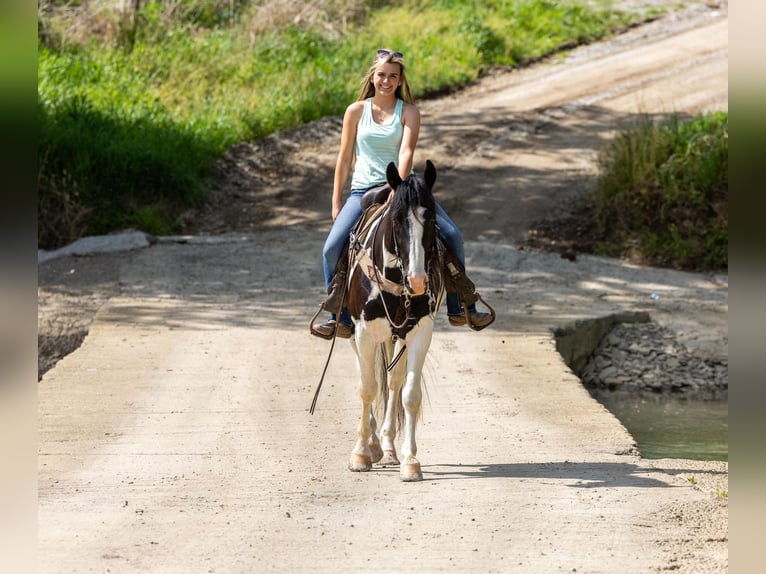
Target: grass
[[134, 109], [662, 193]]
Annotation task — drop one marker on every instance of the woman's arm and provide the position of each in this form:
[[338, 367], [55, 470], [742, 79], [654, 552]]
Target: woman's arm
[[345, 155], [411, 121]]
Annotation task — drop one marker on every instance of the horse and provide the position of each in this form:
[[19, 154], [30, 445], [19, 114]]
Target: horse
[[395, 287]]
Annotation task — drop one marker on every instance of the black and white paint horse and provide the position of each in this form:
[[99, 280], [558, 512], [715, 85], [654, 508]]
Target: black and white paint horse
[[396, 285]]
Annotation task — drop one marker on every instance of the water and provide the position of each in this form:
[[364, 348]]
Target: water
[[668, 427]]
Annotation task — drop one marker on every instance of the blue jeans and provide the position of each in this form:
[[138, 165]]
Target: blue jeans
[[337, 239]]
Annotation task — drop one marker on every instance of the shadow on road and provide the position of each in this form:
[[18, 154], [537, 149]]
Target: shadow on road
[[582, 474]]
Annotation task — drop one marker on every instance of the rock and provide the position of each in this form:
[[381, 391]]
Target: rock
[[646, 357]]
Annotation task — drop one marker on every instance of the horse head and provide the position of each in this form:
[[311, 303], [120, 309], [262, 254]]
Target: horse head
[[413, 233]]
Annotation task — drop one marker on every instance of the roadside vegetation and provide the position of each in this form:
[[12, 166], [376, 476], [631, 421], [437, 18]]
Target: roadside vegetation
[[662, 194], [136, 99]]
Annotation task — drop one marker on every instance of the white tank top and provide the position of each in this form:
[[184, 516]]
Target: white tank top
[[376, 146]]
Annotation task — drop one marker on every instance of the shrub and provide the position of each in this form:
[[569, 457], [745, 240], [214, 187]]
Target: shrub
[[662, 192]]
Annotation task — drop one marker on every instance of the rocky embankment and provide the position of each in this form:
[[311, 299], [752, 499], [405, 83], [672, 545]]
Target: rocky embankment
[[648, 357]]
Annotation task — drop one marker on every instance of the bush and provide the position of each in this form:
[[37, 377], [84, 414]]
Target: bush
[[98, 170], [663, 190]]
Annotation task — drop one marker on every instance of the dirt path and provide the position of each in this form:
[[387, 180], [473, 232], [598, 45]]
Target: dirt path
[[177, 437]]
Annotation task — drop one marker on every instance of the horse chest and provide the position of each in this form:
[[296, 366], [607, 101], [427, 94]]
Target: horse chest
[[399, 314]]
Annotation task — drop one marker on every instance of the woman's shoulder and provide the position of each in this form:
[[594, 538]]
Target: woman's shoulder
[[410, 111], [357, 106], [355, 109]]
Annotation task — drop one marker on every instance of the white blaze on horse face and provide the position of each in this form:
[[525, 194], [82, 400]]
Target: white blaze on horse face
[[416, 273]]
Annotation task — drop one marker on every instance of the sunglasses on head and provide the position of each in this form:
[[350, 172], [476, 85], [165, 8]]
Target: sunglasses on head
[[386, 53]]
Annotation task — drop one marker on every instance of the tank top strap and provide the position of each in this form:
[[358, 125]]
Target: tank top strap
[[398, 110], [366, 118]]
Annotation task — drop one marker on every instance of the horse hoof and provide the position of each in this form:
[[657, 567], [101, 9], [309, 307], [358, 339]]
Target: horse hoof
[[411, 472], [359, 463], [389, 459], [377, 452]]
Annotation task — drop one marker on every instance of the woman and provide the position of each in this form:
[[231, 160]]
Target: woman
[[380, 127]]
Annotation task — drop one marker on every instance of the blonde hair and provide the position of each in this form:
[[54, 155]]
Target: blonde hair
[[385, 56]]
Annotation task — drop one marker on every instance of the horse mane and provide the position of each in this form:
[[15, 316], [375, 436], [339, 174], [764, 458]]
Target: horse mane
[[412, 191]]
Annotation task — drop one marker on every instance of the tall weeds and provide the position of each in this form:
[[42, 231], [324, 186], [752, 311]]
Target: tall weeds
[[136, 99], [662, 193]]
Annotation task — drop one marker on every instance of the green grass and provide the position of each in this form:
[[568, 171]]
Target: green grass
[[133, 113], [662, 193]]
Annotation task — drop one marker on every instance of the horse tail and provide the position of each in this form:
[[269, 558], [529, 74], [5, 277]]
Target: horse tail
[[381, 378]]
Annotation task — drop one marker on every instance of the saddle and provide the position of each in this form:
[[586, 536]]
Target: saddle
[[373, 203]]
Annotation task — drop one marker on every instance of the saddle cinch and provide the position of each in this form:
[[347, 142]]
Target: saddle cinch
[[455, 279]]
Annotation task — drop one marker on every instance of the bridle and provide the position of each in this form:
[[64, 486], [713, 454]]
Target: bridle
[[384, 284]]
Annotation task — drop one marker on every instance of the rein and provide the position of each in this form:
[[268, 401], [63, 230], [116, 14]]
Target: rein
[[329, 355], [400, 288], [367, 265]]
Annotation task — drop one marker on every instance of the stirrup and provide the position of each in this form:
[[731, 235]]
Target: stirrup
[[468, 315], [313, 330]]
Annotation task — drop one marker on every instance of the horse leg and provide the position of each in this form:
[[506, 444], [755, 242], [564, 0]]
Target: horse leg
[[412, 397], [375, 448], [361, 456], [388, 432], [380, 361]]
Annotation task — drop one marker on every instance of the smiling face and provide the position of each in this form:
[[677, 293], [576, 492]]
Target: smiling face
[[387, 78]]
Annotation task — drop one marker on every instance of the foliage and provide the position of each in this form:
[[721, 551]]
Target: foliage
[[662, 192], [134, 108]]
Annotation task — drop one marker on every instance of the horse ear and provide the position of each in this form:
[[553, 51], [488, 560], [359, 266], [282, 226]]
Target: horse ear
[[392, 176], [430, 174]]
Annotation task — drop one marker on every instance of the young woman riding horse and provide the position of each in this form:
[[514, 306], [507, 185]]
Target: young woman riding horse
[[382, 127]]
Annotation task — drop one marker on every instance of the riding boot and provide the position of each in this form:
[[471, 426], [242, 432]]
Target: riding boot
[[336, 297], [336, 292], [457, 282]]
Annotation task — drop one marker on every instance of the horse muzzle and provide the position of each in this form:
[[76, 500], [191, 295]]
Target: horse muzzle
[[416, 284]]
